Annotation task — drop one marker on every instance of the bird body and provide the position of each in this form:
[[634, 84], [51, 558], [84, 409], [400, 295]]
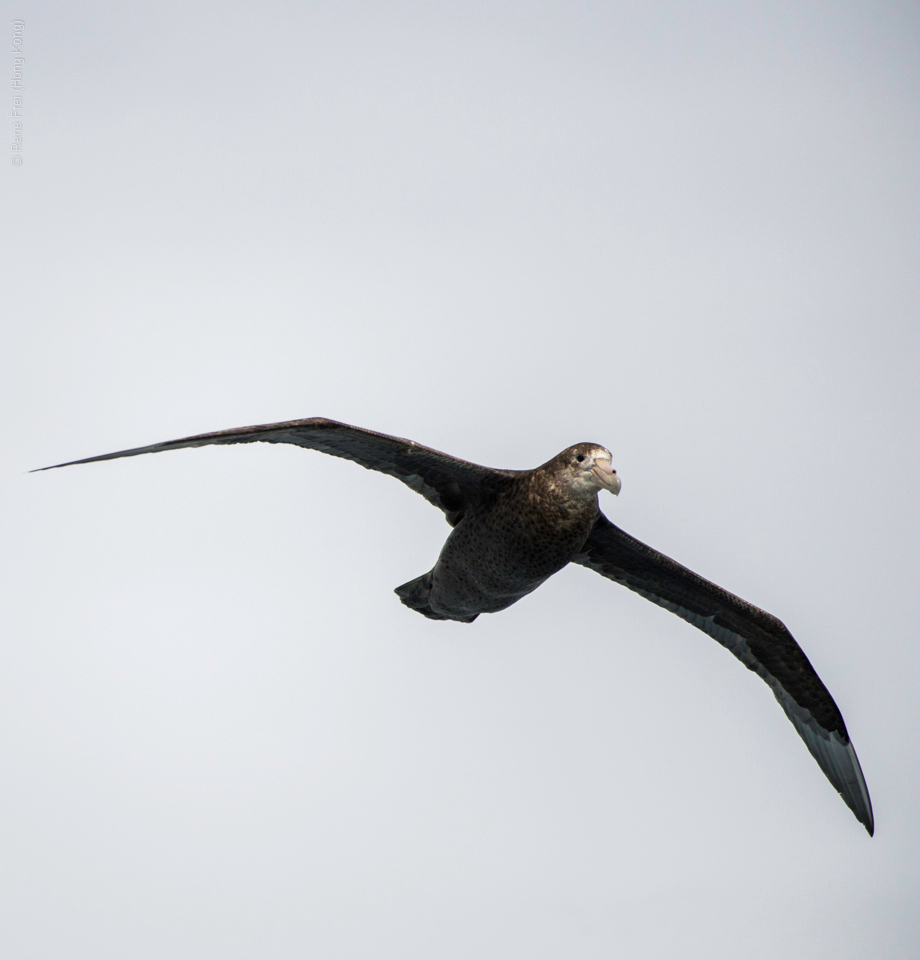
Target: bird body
[[512, 529], [522, 532]]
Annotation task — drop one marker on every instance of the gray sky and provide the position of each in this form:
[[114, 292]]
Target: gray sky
[[688, 232]]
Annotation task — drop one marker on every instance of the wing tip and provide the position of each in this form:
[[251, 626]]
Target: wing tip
[[863, 811], [851, 785], [55, 466], [863, 815], [72, 463]]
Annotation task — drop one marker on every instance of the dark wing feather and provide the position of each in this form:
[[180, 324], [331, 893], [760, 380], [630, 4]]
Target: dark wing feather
[[760, 641], [449, 483]]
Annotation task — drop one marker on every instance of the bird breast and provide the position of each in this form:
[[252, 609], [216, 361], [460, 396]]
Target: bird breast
[[518, 541]]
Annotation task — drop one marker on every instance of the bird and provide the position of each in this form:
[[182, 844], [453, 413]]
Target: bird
[[513, 529]]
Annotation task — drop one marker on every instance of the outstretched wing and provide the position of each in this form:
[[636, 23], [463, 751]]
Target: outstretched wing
[[451, 484], [760, 641]]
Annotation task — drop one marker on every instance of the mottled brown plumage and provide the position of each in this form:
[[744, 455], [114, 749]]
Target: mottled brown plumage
[[525, 528], [515, 528]]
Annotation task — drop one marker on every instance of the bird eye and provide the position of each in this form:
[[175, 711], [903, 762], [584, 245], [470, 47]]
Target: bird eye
[[580, 457]]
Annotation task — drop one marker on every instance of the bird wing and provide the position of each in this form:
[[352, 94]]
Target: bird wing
[[451, 484], [760, 641]]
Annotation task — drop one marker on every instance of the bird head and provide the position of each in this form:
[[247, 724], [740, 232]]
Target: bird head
[[587, 468]]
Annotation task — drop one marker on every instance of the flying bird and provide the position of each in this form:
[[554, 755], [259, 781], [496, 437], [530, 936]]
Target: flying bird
[[513, 529]]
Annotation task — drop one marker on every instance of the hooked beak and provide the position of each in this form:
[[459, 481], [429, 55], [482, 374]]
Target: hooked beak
[[606, 476]]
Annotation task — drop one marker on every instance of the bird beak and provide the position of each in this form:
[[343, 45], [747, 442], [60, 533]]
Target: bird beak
[[606, 476]]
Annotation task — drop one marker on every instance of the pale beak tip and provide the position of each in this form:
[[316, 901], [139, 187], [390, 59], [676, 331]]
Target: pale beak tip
[[607, 477]]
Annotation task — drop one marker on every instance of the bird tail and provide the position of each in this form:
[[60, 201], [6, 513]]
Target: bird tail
[[414, 595]]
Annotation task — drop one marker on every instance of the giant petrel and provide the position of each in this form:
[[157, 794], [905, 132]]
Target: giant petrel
[[512, 529]]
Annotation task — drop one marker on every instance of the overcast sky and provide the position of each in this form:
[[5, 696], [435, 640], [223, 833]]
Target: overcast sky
[[686, 231]]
